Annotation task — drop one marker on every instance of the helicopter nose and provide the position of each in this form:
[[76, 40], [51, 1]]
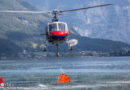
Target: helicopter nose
[[58, 33]]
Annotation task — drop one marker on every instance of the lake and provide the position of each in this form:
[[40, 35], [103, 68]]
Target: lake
[[86, 73]]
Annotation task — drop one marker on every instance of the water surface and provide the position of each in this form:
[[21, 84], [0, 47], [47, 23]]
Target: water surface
[[86, 73]]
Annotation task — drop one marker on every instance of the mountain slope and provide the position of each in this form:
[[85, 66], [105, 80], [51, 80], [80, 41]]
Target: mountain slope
[[112, 22], [20, 30], [100, 45]]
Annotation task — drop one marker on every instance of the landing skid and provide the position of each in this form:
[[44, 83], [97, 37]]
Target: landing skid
[[57, 52], [57, 49]]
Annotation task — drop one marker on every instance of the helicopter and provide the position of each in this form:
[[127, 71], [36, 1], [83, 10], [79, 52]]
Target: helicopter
[[57, 32]]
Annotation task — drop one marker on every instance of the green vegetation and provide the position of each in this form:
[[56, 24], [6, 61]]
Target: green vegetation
[[20, 31]]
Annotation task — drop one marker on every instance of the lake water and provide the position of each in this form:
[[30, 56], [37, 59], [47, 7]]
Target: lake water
[[86, 73]]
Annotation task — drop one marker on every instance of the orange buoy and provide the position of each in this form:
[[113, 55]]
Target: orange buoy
[[63, 79]]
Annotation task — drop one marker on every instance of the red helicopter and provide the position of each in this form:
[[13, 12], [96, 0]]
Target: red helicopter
[[57, 32]]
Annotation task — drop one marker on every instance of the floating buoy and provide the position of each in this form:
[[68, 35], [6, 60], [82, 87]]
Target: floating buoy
[[63, 79], [1, 80]]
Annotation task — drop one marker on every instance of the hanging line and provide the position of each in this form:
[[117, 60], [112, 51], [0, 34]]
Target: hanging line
[[60, 66]]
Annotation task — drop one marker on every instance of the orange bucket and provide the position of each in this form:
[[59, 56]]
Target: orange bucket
[[63, 79]]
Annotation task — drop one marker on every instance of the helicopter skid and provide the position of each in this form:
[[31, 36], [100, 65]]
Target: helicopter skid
[[58, 39], [58, 42]]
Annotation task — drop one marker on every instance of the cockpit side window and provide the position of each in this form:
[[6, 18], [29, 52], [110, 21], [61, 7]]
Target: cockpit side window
[[52, 27], [61, 26]]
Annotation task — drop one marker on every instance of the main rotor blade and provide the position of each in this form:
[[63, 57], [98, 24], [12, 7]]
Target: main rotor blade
[[85, 8], [35, 12]]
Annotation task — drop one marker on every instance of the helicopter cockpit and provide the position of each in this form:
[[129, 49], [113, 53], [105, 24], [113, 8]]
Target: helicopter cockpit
[[57, 26], [57, 31]]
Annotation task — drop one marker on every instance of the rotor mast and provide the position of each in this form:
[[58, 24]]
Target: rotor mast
[[55, 14]]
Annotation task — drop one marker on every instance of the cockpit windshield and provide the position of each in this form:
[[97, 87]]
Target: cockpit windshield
[[57, 27], [52, 27], [61, 26]]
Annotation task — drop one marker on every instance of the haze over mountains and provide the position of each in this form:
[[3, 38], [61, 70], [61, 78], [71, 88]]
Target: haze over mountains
[[19, 32], [112, 22]]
